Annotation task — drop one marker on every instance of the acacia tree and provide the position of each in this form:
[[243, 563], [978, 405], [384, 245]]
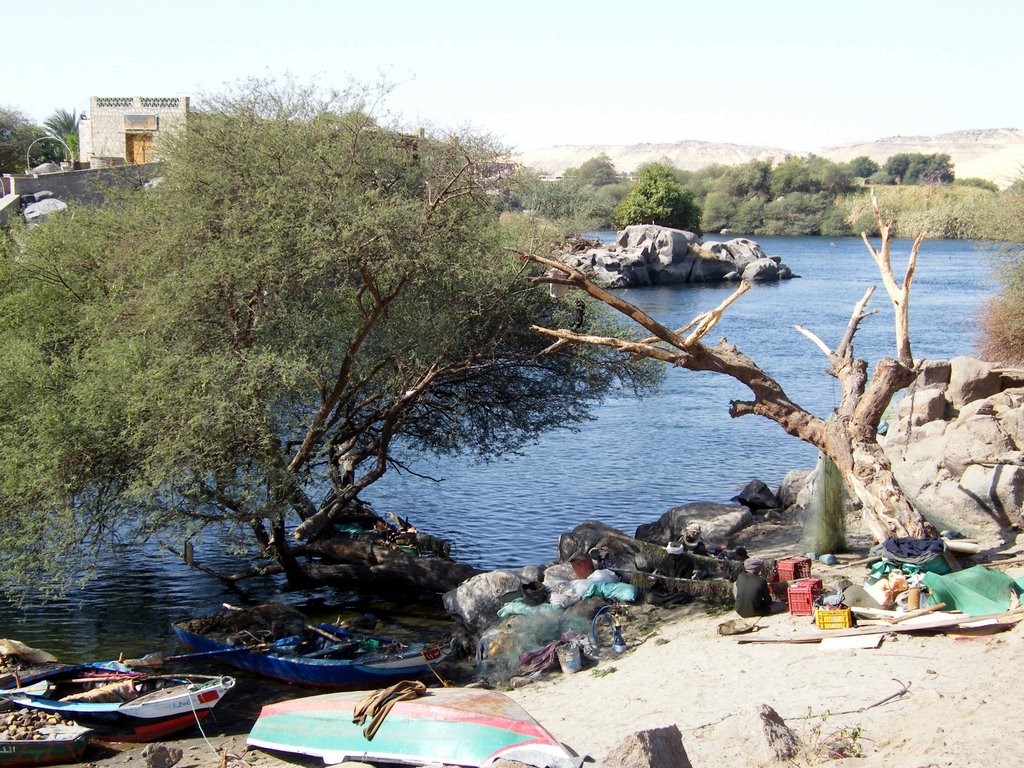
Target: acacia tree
[[657, 198], [850, 438], [303, 301]]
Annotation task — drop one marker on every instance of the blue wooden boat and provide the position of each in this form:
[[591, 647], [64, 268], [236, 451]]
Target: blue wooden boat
[[324, 655], [117, 702]]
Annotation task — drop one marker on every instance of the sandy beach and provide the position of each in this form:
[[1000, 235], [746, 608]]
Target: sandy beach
[[921, 699]]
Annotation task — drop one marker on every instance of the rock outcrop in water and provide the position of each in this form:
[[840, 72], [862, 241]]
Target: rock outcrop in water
[[646, 254]]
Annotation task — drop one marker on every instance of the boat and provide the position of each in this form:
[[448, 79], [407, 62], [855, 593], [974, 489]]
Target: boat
[[58, 744], [450, 726], [119, 703], [323, 655]]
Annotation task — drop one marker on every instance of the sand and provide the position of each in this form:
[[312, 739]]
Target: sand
[[960, 705]]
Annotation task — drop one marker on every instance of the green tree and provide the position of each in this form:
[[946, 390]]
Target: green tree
[[657, 198], [16, 135], [64, 126], [719, 211], [917, 168], [571, 206], [863, 167], [752, 179], [595, 172], [749, 216], [791, 175], [259, 338], [798, 213], [835, 180]]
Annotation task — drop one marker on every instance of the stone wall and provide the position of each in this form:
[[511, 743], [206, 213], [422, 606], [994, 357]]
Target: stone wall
[[86, 186], [10, 205]]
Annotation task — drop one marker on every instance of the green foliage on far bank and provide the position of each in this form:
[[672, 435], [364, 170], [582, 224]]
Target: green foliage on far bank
[[797, 196]]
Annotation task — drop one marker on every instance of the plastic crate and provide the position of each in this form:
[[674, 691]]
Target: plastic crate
[[839, 618], [802, 595], [793, 568]]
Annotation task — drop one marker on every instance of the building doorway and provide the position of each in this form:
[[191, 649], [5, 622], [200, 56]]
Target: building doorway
[[138, 148]]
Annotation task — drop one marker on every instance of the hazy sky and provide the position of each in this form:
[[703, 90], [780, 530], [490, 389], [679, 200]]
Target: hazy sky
[[794, 74]]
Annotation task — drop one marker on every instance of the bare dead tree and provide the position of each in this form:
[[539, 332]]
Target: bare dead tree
[[849, 438]]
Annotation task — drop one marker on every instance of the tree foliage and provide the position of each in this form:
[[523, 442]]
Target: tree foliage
[[917, 168], [596, 172], [216, 350], [657, 198], [17, 133], [64, 126]]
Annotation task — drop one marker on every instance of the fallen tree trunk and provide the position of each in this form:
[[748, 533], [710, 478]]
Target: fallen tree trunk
[[368, 565]]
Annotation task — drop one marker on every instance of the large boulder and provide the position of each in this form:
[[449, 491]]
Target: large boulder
[[646, 254], [475, 602], [717, 521], [957, 446]]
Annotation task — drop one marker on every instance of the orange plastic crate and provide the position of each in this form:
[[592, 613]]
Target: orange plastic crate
[[793, 568], [802, 595]]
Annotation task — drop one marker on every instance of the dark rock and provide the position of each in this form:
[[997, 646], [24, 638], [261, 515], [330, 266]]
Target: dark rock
[[161, 756]]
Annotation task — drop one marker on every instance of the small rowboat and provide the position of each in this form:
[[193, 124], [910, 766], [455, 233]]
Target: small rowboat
[[327, 656], [121, 704], [449, 726], [59, 744]]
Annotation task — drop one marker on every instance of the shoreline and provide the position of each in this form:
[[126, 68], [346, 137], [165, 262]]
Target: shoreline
[[682, 673]]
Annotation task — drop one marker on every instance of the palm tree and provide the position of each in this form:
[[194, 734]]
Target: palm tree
[[63, 125]]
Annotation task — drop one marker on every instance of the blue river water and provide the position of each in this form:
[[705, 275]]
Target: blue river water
[[632, 462]]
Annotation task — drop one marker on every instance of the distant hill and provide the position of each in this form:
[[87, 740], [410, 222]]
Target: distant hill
[[994, 154]]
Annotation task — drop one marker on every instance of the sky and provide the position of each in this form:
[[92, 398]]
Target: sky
[[792, 74]]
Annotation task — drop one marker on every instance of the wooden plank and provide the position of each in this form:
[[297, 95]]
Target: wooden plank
[[850, 643], [919, 612]]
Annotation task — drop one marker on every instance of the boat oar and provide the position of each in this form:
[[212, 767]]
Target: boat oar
[[158, 659]]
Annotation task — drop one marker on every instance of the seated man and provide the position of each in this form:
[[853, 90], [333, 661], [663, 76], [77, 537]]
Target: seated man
[[753, 597], [693, 541]]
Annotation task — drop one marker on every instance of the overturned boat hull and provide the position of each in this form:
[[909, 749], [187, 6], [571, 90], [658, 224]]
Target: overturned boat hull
[[451, 726]]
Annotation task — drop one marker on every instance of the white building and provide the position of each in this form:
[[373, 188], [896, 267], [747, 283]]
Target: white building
[[128, 129]]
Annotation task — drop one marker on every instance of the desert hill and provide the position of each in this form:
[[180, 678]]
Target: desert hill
[[994, 154]]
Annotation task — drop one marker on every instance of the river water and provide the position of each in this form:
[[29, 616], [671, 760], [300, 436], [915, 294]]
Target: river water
[[634, 461]]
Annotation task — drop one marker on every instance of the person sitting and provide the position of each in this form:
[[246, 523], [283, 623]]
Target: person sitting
[[753, 598], [740, 554], [693, 541], [678, 564]]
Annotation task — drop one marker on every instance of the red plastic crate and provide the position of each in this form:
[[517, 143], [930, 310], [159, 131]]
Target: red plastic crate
[[793, 568], [802, 595]]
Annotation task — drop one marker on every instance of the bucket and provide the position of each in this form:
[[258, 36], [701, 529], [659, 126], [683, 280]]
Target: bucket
[[569, 658], [582, 566]]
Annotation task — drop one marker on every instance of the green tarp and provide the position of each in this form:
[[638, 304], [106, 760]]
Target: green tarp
[[975, 591]]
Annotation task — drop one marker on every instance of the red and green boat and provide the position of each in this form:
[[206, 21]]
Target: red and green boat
[[450, 726], [59, 744]]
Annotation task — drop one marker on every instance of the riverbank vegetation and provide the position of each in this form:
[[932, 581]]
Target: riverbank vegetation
[[307, 300], [798, 196]]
